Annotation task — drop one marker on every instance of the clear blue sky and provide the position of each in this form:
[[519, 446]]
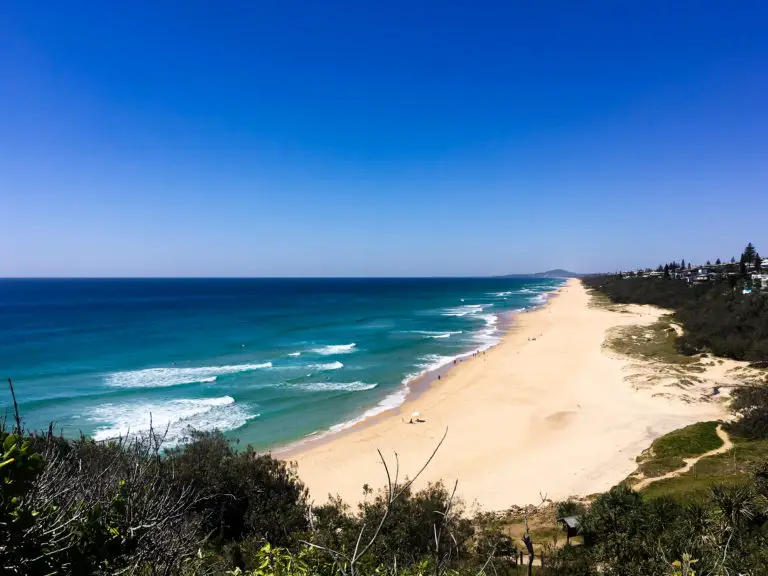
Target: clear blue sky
[[271, 138]]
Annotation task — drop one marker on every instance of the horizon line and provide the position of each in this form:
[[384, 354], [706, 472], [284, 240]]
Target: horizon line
[[485, 276]]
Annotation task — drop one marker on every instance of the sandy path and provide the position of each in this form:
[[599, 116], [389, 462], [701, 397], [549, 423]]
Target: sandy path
[[546, 411], [690, 462]]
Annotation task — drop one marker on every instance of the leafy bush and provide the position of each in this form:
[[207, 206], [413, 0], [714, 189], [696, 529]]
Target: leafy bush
[[751, 403], [243, 494], [570, 508], [428, 524], [626, 535], [92, 508]]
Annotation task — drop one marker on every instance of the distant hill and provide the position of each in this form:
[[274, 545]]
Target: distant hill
[[556, 273]]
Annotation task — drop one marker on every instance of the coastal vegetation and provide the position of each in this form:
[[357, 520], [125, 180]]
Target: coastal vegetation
[[129, 507], [667, 452], [724, 313], [656, 342]]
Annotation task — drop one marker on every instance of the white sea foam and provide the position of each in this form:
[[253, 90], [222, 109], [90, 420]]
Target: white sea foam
[[294, 354], [161, 377], [329, 366], [465, 310], [500, 294], [433, 362], [390, 402], [335, 349], [434, 334], [489, 335], [335, 386], [123, 418], [540, 298]]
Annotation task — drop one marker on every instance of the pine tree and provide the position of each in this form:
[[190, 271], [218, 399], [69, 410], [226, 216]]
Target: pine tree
[[749, 253], [709, 263], [666, 270], [682, 264], [717, 262], [733, 260], [758, 263]]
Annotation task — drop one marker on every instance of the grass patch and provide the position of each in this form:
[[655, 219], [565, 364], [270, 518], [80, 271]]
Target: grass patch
[[655, 342], [654, 467], [666, 453], [733, 467], [689, 441], [601, 301]]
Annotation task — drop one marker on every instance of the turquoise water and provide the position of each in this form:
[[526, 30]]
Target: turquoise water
[[266, 360]]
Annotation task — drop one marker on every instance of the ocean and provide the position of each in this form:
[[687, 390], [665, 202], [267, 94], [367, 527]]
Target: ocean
[[268, 361]]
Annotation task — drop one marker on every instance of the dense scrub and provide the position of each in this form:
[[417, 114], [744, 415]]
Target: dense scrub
[[716, 317], [751, 404], [627, 535]]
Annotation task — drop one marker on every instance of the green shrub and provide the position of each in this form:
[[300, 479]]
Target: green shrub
[[243, 494]]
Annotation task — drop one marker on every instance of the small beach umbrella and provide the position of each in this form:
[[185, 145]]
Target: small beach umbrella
[[416, 414]]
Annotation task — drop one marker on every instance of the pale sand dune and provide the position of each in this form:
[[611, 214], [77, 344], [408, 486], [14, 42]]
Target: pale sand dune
[[556, 415]]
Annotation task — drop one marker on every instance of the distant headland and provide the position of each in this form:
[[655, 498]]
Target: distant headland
[[556, 273]]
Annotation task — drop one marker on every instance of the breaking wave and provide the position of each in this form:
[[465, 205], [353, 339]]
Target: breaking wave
[[162, 377]]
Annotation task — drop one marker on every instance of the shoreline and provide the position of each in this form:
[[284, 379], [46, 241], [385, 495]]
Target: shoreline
[[412, 387], [545, 410]]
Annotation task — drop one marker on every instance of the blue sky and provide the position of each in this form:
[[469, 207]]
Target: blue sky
[[379, 138]]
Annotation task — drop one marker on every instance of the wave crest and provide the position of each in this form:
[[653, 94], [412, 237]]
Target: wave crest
[[130, 418], [162, 377], [435, 334], [335, 386], [329, 366], [335, 349]]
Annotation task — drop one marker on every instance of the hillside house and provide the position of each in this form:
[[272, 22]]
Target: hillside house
[[760, 280]]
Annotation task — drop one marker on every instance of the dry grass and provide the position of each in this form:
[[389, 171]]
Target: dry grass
[[602, 302], [653, 343]]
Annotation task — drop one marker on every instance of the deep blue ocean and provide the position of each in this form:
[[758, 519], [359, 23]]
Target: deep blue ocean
[[266, 360]]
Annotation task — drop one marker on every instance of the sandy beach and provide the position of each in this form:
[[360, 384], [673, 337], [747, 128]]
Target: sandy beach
[[548, 411]]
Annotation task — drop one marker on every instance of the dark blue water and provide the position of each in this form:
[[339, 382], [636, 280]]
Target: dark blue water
[[266, 360]]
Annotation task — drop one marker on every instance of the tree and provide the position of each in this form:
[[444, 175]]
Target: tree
[[758, 263], [717, 262], [733, 260], [666, 270], [749, 253], [709, 263], [682, 264], [689, 265]]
